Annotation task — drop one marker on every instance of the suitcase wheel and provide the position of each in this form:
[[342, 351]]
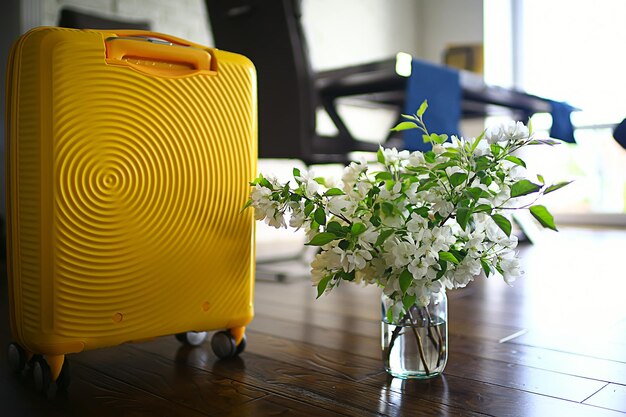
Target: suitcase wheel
[[224, 345], [41, 374], [191, 338], [17, 357], [40, 369]]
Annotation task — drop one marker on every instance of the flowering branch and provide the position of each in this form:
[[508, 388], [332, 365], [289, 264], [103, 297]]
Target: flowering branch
[[416, 222]]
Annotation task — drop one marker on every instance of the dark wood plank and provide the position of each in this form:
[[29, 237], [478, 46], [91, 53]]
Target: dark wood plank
[[310, 386], [274, 405], [613, 396], [367, 326], [333, 362], [183, 385], [521, 377], [563, 362], [322, 357], [91, 394], [487, 398], [460, 364]]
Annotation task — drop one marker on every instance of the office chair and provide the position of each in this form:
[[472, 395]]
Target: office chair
[[75, 19], [269, 32]]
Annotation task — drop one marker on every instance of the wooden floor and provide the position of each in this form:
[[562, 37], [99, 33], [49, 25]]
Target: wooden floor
[[553, 345]]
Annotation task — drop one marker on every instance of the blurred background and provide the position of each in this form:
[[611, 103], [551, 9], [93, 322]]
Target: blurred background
[[563, 50]]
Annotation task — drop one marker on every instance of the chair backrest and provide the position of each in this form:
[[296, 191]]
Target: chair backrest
[[270, 34], [75, 19]]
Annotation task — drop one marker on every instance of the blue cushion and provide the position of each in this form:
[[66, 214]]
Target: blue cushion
[[441, 87]]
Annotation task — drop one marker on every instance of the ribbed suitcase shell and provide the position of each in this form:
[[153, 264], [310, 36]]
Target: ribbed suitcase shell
[[125, 186]]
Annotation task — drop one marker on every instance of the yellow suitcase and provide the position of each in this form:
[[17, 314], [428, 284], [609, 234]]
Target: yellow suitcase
[[128, 160]]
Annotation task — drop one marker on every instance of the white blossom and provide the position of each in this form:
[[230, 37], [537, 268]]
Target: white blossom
[[511, 268], [310, 186], [416, 159], [380, 229], [393, 157]]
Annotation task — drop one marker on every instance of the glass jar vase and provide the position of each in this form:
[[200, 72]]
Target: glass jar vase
[[415, 342]]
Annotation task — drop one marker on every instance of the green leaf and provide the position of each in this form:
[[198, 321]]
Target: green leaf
[[357, 229], [482, 162], [295, 197], [265, 183], [422, 211], [346, 276], [556, 186], [439, 138], [320, 216], [444, 267], [496, 149], [408, 116], [503, 223], [426, 138], [335, 228], [458, 254], [321, 286], [476, 192], [334, 191], [462, 216], [308, 208], [389, 316], [375, 220], [387, 208], [540, 178], [245, 206], [383, 236], [447, 256], [477, 141], [523, 187], [408, 301], [321, 239], [405, 280], [482, 207], [543, 216], [384, 176], [422, 109], [515, 160], [457, 178], [404, 126], [296, 174], [430, 157], [380, 155], [320, 181], [486, 267]]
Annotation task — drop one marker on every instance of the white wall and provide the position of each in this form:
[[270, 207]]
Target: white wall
[[449, 22], [349, 32], [185, 19]]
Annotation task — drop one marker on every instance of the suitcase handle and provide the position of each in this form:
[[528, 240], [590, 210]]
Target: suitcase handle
[[160, 55]]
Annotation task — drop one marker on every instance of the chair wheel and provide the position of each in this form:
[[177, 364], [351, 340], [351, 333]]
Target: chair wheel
[[17, 357], [224, 347], [41, 374], [191, 338]]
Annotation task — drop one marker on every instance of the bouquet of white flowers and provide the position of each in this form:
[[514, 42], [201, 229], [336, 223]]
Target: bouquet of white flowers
[[415, 222]]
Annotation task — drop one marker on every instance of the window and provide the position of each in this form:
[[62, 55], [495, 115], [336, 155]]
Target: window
[[574, 52]]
